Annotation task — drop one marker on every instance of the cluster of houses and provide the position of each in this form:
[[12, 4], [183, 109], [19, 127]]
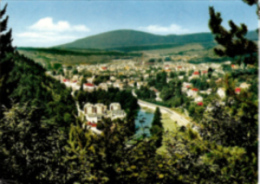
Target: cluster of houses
[[139, 72], [93, 113], [221, 92], [89, 86]]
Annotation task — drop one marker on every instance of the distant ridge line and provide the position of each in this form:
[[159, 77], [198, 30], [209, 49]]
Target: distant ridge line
[[126, 38]]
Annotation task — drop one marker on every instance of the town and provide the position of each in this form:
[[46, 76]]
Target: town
[[174, 83], [129, 92]]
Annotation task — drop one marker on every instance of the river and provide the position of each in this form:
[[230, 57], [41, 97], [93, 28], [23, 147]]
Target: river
[[143, 122]]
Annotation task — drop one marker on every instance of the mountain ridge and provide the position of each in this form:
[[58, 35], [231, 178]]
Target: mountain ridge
[[131, 38]]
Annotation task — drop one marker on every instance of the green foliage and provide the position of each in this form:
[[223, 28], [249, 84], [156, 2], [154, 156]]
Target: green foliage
[[106, 159], [226, 68], [57, 66], [167, 93], [160, 81], [157, 128], [145, 93], [34, 127], [38, 123], [172, 94], [6, 62], [41, 141], [200, 161], [74, 52], [100, 125], [200, 83], [101, 78], [234, 43], [31, 146]]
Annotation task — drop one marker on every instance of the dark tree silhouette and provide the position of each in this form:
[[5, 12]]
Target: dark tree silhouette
[[6, 63], [157, 128], [233, 41]]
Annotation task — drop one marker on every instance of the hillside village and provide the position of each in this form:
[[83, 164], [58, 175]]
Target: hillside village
[[198, 84], [124, 106]]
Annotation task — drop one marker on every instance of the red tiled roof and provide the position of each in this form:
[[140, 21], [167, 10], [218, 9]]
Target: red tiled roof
[[75, 81], [237, 90], [92, 124], [195, 89], [103, 68], [66, 80], [89, 84], [196, 73], [200, 103], [205, 71], [179, 66], [187, 86]]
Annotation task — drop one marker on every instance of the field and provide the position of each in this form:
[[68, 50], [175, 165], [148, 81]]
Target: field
[[47, 57]]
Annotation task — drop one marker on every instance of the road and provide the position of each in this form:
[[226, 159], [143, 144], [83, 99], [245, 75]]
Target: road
[[181, 121]]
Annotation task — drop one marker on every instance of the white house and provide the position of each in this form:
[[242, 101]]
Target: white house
[[117, 114], [91, 79], [119, 85], [186, 86], [208, 91], [139, 84], [109, 83], [89, 108], [89, 87], [221, 93], [115, 106], [94, 118], [100, 108], [192, 92], [198, 99], [244, 85], [112, 78], [75, 85], [103, 86], [180, 77]]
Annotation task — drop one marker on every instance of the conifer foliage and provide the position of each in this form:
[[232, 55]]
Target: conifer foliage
[[6, 62], [157, 128], [234, 43]]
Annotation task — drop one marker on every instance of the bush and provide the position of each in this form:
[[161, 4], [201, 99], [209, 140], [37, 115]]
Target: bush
[[100, 126]]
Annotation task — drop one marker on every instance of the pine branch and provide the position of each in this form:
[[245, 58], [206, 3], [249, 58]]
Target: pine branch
[[3, 24], [2, 12]]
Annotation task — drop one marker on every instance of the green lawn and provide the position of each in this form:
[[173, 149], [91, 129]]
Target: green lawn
[[168, 125]]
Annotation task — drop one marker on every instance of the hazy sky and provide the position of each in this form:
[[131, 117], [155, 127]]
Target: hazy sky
[[43, 23]]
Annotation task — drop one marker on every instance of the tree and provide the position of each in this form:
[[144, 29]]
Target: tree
[[31, 147], [210, 71], [167, 93], [234, 43], [6, 62], [157, 128]]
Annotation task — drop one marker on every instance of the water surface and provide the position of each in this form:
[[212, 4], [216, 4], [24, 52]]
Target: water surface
[[143, 123]]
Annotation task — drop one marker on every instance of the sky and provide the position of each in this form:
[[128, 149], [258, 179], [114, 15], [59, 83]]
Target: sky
[[45, 23]]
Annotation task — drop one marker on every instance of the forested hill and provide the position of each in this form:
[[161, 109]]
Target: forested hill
[[36, 120], [121, 39]]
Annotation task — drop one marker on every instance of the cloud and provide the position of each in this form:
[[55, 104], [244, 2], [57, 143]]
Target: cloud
[[46, 37], [173, 29], [46, 24], [46, 32]]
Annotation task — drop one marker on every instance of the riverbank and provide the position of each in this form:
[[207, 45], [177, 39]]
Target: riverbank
[[168, 125]]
